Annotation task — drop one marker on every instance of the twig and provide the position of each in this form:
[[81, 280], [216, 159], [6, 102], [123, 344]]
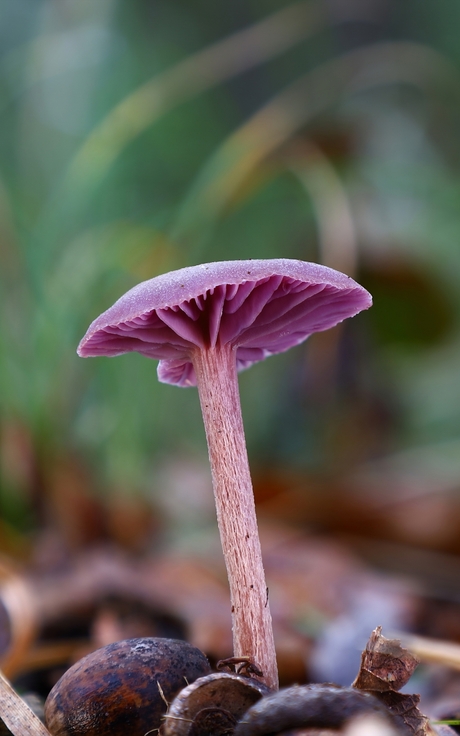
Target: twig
[[433, 650], [16, 714]]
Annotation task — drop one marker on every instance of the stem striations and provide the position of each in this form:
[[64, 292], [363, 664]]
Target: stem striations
[[217, 383]]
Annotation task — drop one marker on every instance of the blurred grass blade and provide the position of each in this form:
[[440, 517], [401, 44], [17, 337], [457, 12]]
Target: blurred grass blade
[[275, 123], [322, 184], [195, 74]]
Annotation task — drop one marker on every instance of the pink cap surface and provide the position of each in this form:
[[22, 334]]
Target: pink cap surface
[[259, 307]]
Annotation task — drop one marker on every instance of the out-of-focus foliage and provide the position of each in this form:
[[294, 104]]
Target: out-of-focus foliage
[[144, 136]]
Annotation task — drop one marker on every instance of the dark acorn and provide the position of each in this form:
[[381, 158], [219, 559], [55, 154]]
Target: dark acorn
[[122, 688], [318, 706]]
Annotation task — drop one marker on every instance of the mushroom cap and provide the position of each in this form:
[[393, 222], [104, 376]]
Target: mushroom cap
[[259, 307]]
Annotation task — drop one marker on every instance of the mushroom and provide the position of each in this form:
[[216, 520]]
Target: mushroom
[[205, 323]]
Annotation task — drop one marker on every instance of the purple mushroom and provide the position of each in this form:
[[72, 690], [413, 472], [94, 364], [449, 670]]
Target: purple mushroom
[[204, 324]]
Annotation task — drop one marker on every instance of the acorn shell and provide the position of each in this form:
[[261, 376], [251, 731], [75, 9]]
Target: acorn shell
[[317, 706], [212, 704], [122, 688]]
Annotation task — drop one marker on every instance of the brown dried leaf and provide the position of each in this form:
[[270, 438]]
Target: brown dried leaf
[[385, 667], [406, 711], [385, 664]]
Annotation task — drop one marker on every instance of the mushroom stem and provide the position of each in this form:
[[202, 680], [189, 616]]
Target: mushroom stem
[[217, 382]]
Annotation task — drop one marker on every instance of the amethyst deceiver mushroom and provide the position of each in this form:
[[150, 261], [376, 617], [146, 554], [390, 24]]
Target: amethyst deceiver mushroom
[[204, 324]]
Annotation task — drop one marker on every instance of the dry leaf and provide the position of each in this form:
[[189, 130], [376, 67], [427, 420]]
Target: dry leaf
[[385, 664], [386, 667]]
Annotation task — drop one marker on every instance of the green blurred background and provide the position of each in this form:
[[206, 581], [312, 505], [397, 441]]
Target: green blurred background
[[142, 136]]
